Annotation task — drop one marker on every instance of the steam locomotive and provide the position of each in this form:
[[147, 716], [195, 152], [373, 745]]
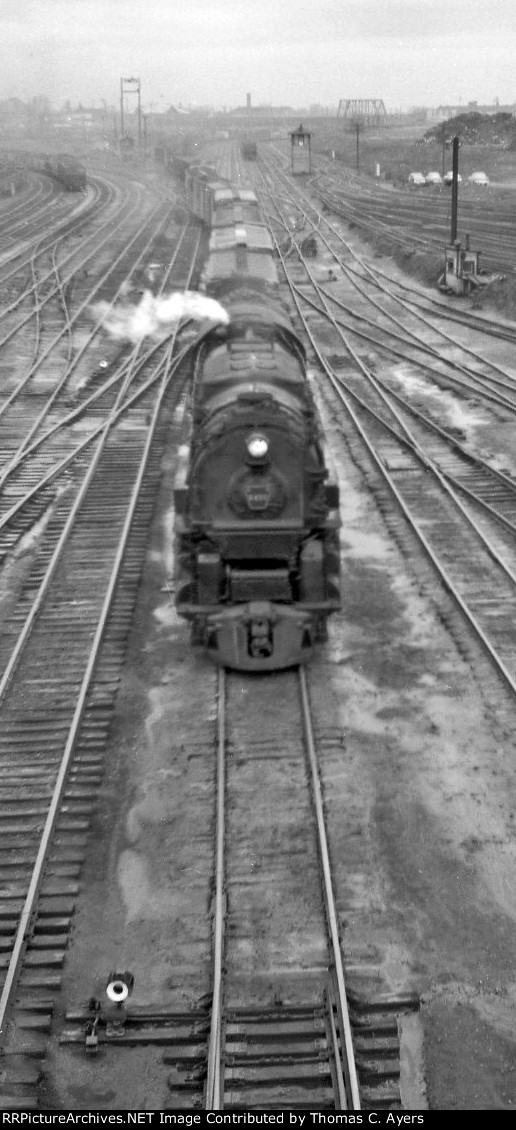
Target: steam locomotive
[[257, 512]]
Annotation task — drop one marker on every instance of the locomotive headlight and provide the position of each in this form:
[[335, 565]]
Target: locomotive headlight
[[257, 446]]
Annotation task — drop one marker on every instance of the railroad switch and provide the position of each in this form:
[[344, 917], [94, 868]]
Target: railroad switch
[[91, 1038]]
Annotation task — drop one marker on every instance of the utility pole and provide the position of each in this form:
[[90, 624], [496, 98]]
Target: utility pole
[[455, 189]]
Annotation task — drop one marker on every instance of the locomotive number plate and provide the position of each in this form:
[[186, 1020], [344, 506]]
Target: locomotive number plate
[[258, 495]]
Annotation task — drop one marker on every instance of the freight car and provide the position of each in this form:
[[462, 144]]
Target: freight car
[[67, 171], [256, 511]]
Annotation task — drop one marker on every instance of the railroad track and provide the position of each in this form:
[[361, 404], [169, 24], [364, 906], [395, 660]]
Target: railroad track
[[468, 505], [422, 317], [281, 1033], [49, 357], [489, 224], [63, 646], [55, 721], [48, 444], [294, 1032], [280, 1028], [450, 495], [39, 206]]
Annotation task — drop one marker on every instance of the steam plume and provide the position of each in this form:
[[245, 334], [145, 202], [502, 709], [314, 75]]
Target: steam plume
[[156, 316]]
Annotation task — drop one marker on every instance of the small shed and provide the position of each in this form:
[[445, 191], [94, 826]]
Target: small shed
[[461, 268], [300, 147]]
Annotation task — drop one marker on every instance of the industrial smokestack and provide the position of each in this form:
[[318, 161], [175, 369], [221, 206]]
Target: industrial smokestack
[[455, 189]]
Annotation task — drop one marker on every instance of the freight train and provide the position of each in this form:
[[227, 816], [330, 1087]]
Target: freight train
[[67, 171], [256, 509]]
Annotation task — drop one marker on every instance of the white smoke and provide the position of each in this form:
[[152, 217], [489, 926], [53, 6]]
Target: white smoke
[[156, 316]]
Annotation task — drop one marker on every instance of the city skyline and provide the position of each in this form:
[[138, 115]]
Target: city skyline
[[212, 52]]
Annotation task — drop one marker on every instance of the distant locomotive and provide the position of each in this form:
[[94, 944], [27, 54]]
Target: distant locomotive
[[249, 150], [67, 171], [257, 514]]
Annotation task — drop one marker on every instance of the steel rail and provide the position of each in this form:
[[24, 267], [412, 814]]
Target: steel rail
[[471, 319], [25, 246], [352, 1088], [82, 306], [339, 1070], [472, 376], [445, 578], [396, 299], [13, 207], [55, 471], [433, 308], [37, 309], [468, 318], [25, 238], [101, 434], [6, 471], [464, 379], [22, 935], [23, 450], [80, 310], [380, 212], [419, 315], [42, 248], [445, 480], [462, 383], [214, 1086], [380, 387]]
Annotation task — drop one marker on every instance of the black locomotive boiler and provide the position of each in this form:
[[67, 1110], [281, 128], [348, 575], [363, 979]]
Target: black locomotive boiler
[[256, 510]]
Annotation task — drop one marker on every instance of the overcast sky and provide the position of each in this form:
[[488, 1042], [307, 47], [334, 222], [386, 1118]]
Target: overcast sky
[[295, 52]]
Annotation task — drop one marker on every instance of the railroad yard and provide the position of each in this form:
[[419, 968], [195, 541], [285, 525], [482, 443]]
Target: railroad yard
[[305, 877]]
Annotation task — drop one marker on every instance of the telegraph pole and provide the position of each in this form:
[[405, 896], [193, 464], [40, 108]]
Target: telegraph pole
[[455, 189]]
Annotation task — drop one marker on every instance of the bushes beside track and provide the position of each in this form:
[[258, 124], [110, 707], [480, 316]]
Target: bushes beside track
[[427, 268]]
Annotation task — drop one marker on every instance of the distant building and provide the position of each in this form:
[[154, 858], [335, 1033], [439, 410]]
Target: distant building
[[442, 113]]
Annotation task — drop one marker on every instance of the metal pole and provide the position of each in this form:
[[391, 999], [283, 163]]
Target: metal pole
[[455, 189]]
